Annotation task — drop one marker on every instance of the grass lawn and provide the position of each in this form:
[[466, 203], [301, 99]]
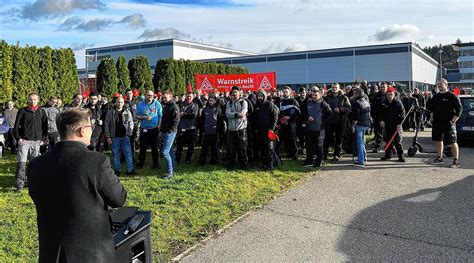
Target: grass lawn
[[195, 203]]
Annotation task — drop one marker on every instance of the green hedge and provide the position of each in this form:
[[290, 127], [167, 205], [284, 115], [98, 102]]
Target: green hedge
[[44, 70]]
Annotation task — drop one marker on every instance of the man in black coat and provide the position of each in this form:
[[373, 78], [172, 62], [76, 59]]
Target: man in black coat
[[266, 116], [392, 114], [289, 113], [72, 188]]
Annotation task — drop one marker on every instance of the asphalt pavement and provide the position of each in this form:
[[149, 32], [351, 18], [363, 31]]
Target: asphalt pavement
[[387, 211]]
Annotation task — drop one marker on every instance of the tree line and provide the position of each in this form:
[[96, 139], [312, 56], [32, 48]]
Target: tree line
[[449, 57], [117, 76], [45, 70]]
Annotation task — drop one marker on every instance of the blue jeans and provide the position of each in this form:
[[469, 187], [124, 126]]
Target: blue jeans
[[168, 153], [122, 143], [361, 153]]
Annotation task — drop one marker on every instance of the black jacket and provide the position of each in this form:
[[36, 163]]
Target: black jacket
[[190, 115], [392, 112], [72, 188], [342, 102], [212, 120], [289, 107], [170, 119], [31, 125], [361, 111], [266, 116]]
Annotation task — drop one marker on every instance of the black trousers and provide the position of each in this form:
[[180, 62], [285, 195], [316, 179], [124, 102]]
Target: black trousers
[[237, 146], [288, 136], [314, 146], [250, 143], [333, 137], [300, 133], [263, 148], [209, 141], [397, 141], [148, 137], [95, 139], [186, 137], [410, 121], [10, 141], [378, 134], [132, 140]]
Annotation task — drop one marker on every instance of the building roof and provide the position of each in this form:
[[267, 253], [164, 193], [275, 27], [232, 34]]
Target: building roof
[[469, 44], [166, 42]]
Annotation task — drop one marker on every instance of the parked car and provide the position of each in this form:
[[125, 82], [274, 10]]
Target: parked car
[[465, 124]]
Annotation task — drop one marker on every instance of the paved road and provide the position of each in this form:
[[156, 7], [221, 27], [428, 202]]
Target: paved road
[[387, 211]]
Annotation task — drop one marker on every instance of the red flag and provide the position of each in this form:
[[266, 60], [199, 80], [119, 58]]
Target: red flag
[[136, 92], [272, 135], [457, 91], [190, 89], [86, 93]]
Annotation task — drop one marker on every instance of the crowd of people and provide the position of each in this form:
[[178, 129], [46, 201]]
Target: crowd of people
[[242, 127]]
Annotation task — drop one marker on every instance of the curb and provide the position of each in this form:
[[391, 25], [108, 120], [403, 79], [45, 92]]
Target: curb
[[213, 235]]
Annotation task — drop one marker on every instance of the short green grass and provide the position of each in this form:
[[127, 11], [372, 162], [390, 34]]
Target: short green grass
[[191, 206]]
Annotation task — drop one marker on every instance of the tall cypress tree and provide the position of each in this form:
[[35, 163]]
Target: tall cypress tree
[[71, 77], [6, 68], [46, 86], [19, 77], [170, 79], [158, 76], [140, 74], [180, 75], [31, 59], [65, 74], [123, 74], [107, 79]]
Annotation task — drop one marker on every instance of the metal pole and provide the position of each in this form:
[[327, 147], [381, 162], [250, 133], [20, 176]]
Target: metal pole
[[87, 73], [440, 64]]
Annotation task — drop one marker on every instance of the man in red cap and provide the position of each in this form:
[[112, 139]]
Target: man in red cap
[[392, 115]]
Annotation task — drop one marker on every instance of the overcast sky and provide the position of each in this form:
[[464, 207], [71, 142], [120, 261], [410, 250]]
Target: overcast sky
[[260, 26]]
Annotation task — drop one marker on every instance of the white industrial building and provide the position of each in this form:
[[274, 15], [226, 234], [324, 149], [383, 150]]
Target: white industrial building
[[403, 63]]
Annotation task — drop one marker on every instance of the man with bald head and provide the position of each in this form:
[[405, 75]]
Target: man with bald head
[[118, 128], [446, 108]]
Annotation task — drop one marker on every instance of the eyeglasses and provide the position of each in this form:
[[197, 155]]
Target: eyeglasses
[[91, 126]]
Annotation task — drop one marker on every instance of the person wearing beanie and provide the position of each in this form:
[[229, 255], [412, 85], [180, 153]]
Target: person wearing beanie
[[213, 123], [267, 115], [236, 113], [187, 128]]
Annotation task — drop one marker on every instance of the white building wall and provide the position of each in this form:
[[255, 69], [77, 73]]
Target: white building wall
[[328, 70], [424, 71], [383, 67], [180, 52]]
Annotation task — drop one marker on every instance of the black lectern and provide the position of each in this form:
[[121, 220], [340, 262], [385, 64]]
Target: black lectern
[[135, 246]]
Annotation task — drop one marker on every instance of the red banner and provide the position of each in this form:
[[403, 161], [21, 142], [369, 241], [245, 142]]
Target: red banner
[[253, 82]]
